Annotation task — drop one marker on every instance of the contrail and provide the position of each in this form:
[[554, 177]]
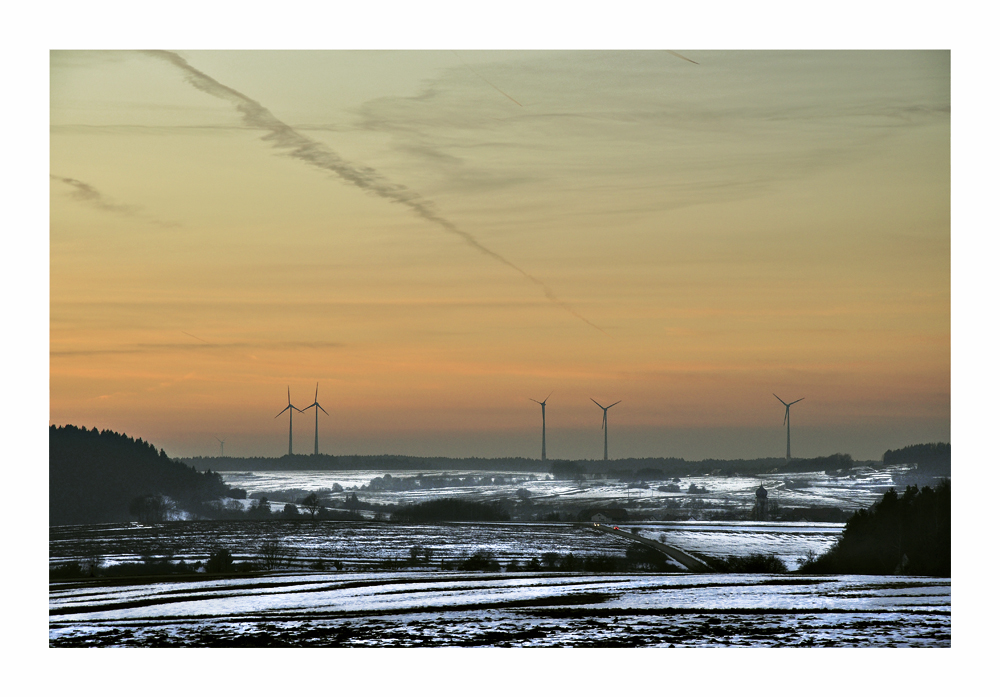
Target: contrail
[[193, 336], [674, 53], [83, 191], [300, 147], [487, 81]]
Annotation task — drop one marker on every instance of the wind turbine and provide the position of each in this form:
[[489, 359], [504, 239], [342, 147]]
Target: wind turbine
[[788, 421], [605, 424], [222, 447], [289, 409], [543, 421], [318, 407]]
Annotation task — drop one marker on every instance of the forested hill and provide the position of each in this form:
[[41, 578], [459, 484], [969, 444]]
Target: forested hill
[[908, 534], [930, 455], [107, 477]]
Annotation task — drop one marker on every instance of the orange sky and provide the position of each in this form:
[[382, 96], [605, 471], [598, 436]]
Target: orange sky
[[687, 238]]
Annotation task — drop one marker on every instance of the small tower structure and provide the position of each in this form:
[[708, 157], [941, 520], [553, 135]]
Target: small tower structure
[[760, 504]]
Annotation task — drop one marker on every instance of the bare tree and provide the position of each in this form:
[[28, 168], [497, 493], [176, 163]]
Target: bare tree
[[273, 554], [311, 502]]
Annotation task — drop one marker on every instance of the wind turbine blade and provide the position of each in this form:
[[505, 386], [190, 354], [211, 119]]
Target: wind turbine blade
[[535, 401], [289, 394], [324, 410], [596, 402], [797, 401], [786, 417], [618, 402], [780, 399], [282, 411], [316, 398], [547, 398]]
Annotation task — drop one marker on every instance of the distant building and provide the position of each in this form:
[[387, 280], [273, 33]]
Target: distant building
[[600, 518], [760, 504]]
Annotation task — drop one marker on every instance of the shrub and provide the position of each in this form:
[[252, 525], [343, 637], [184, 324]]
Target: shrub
[[220, 562], [70, 569], [603, 563], [481, 560], [641, 557], [420, 553], [570, 563], [754, 564]]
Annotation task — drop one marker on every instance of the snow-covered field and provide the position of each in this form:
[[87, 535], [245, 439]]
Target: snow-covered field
[[359, 545], [360, 605], [506, 609], [861, 489]]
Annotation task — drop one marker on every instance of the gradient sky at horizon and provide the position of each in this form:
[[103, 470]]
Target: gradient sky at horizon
[[708, 233]]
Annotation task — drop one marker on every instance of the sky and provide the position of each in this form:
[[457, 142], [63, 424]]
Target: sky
[[436, 238]]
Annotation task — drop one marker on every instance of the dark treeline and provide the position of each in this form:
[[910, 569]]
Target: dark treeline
[[754, 563], [657, 469], [931, 459], [924, 454], [908, 534], [97, 477], [649, 468], [438, 481], [452, 510]]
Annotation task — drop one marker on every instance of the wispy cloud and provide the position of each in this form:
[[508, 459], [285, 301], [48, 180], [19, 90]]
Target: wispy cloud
[[641, 122], [81, 191], [300, 147], [85, 193], [202, 347]]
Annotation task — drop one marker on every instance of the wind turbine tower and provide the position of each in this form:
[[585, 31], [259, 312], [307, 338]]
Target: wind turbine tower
[[222, 447], [605, 424], [318, 407], [543, 421], [289, 409], [788, 422]]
